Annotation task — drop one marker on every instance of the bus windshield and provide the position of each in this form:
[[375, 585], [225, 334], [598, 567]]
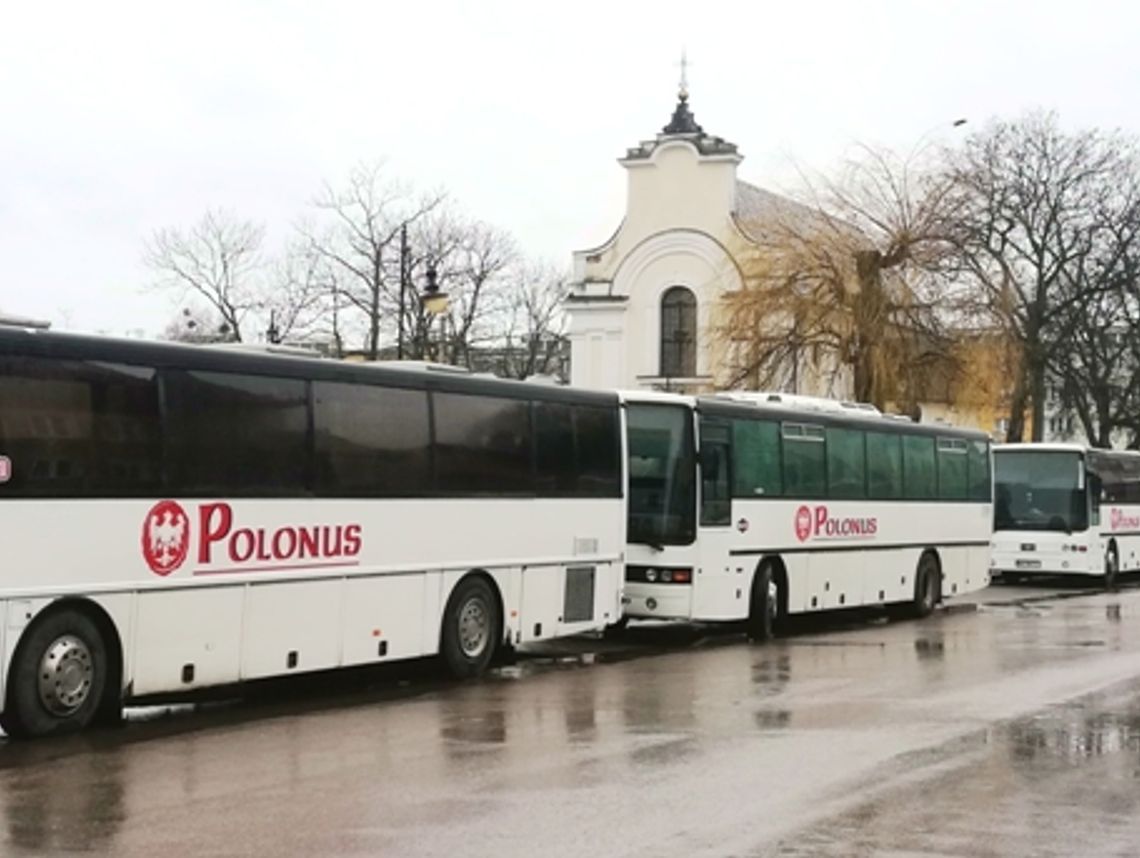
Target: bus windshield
[[662, 466], [1039, 491]]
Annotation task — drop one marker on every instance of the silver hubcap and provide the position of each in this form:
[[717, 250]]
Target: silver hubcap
[[772, 605], [1110, 564], [66, 671], [474, 627]]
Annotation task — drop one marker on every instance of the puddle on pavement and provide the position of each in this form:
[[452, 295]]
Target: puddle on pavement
[[1061, 782]]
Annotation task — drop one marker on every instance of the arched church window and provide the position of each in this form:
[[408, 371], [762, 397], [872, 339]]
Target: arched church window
[[678, 333]]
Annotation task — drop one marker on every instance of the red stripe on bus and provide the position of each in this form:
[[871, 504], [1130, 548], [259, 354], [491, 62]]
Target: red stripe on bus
[[236, 569]]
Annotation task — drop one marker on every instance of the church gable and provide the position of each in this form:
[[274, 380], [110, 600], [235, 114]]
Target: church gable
[[643, 304]]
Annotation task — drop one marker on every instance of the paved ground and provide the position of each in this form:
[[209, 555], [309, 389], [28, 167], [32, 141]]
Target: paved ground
[[1012, 729]]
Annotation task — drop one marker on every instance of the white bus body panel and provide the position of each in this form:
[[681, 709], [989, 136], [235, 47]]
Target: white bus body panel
[[1050, 552], [827, 565], [234, 617]]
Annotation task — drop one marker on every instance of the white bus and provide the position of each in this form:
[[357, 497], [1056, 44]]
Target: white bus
[[1065, 509], [176, 517], [752, 506]]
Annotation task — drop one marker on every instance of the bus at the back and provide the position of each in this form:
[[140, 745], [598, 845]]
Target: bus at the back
[[1065, 509]]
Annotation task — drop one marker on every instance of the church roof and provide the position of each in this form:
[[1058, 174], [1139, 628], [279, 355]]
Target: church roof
[[683, 125], [756, 208]]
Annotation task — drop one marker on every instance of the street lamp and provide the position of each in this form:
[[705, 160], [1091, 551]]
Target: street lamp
[[272, 334], [435, 303], [921, 144]]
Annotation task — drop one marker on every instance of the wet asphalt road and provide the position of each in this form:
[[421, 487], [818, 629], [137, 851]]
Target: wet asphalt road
[[1013, 730]]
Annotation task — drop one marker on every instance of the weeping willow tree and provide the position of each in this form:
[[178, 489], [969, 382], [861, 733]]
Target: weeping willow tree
[[843, 292]]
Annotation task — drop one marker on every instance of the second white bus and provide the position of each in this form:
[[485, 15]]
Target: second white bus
[[746, 507]]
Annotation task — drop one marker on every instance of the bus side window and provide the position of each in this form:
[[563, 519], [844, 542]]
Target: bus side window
[[1095, 490], [716, 475]]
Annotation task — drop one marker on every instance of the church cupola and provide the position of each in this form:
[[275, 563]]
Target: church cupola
[[683, 126]]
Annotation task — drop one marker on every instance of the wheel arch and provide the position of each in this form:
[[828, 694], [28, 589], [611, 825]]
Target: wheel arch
[[496, 591], [779, 575], [110, 707], [932, 552]]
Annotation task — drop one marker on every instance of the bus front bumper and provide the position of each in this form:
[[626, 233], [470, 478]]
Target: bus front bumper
[[658, 601]]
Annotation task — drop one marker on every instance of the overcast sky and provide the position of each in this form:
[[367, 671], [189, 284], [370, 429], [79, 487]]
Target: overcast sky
[[121, 118]]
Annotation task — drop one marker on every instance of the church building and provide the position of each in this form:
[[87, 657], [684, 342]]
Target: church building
[[643, 305]]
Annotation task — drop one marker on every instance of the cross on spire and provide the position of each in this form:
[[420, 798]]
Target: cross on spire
[[683, 89]]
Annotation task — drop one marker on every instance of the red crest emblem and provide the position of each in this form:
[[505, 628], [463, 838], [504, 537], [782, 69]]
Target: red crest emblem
[[803, 523], [165, 537]]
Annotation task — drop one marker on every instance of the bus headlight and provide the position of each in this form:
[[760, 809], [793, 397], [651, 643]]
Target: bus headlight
[[650, 575], [666, 576]]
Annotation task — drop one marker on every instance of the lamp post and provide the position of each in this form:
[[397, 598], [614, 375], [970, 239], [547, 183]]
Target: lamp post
[[922, 143], [435, 303], [403, 290]]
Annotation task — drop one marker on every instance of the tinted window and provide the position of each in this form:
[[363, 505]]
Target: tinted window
[[716, 505], [371, 441], [952, 483], [555, 454], [598, 443], [73, 429], [756, 459], [230, 434], [919, 473], [1039, 490], [805, 469], [884, 465], [662, 485], [845, 463], [483, 444], [978, 465]]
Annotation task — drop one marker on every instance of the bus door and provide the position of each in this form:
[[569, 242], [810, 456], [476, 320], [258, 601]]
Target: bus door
[[719, 589]]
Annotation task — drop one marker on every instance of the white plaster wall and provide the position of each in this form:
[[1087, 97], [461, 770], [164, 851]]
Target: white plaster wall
[[673, 258], [676, 232], [597, 353]]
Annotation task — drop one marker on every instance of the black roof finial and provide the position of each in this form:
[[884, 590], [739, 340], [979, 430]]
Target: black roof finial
[[683, 121]]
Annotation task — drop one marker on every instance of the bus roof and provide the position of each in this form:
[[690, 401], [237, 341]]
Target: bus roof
[[1041, 447], [807, 409], [169, 355], [1059, 447]]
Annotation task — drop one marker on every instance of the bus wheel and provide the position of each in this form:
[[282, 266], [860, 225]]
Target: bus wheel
[[58, 677], [927, 586], [764, 607], [471, 626], [1111, 567]]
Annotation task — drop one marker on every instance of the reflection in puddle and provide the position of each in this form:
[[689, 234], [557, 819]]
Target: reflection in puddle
[[78, 812], [1074, 736], [1034, 786]]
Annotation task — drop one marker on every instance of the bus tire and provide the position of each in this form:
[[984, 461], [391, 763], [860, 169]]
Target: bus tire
[[764, 604], [58, 677], [471, 626], [1111, 566], [927, 586]]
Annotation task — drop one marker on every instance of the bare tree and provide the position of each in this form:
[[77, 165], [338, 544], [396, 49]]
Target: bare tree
[[534, 342], [471, 259], [1030, 199], [361, 243], [1096, 362], [217, 260], [200, 327], [850, 279], [300, 305]]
